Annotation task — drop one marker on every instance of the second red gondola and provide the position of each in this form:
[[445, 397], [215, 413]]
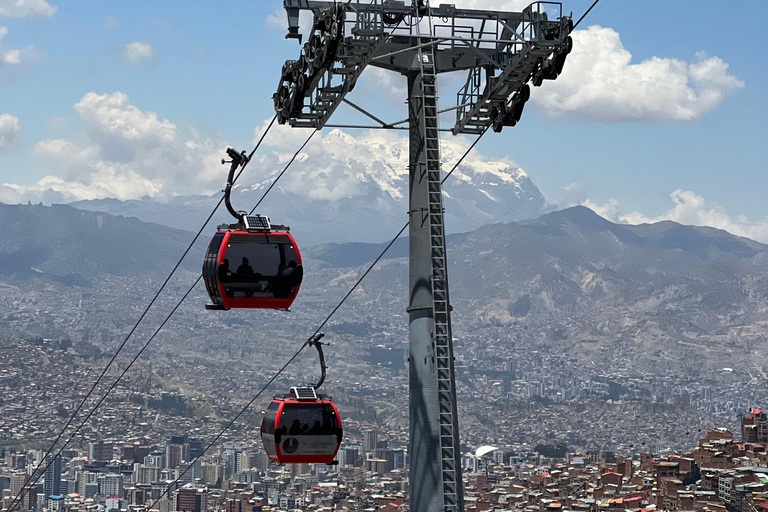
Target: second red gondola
[[301, 427]]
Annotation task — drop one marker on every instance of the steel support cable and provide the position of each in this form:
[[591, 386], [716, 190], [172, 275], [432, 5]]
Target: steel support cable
[[324, 322], [585, 14], [93, 410], [232, 422], [20, 495], [304, 345], [198, 280], [284, 169]]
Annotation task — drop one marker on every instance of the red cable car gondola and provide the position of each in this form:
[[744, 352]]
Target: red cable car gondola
[[251, 264], [302, 426]]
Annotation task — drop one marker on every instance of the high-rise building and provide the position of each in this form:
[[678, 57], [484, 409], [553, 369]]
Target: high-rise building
[[190, 473], [156, 459], [52, 475], [754, 427], [110, 485], [86, 477], [191, 499], [146, 475], [17, 482], [196, 448], [29, 501], [174, 455], [100, 451], [260, 461], [370, 440], [139, 452]]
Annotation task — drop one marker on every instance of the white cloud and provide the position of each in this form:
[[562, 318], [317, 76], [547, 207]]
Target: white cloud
[[111, 22], [126, 153], [137, 51], [113, 115], [13, 61], [9, 133], [600, 83], [691, 209], [27, 9], [278, 20]]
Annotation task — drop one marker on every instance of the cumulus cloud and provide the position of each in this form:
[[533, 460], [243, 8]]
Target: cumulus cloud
[[600, 83], [135, 52], [126, 153], [13, 61], [9, 133], [27, 9], [688, 208], [278, 20]]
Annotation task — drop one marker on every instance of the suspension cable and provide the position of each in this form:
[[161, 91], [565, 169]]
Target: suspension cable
[[21, 493], [585, 14], [309, 340], [284, 169]]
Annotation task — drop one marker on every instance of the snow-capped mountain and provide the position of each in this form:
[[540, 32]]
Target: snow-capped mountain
[[343, 188]]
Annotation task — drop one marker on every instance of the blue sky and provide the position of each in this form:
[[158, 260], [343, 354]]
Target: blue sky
[[659, 113]]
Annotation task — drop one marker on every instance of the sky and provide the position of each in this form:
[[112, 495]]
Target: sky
[[659, 113]]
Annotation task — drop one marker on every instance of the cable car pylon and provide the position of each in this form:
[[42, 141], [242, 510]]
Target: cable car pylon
[[502, 52]]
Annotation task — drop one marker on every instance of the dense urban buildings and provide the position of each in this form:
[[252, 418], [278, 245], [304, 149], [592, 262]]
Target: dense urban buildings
[[718, 473]]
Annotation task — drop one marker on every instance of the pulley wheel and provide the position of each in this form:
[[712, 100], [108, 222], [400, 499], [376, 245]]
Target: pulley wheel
[[333, 32], [525, 93], [286, 110]]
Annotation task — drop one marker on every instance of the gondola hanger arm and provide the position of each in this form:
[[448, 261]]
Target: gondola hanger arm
[[314, 341]]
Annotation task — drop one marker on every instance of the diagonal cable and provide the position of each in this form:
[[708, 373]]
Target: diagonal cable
[[324, 322], [20, 495]]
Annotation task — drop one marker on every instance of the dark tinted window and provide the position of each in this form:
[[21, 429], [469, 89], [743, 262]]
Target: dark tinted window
[[268, 423], [260, 266], [309, 418]]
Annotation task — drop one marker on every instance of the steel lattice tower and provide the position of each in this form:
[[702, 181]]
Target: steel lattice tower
[[501, 52]]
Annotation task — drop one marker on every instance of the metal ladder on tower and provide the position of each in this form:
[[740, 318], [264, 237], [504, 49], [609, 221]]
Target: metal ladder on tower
[[446, 385]]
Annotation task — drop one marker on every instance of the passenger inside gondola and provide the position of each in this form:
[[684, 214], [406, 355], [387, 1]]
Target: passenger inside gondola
[[300, 417], [263, 272], [244, 270]]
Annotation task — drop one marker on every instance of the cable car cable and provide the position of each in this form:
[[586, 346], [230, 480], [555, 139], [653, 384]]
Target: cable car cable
[[324, 321], [585, 14], [232, 422], [284, 169], [314, 338], [13, 503], [21, 493]]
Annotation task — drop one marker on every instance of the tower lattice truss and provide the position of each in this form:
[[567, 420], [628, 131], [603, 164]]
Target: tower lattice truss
[[501, 52]]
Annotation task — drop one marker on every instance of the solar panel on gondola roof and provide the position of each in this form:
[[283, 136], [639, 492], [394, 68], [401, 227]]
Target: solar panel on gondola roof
[[304, 393], [256, 222]]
